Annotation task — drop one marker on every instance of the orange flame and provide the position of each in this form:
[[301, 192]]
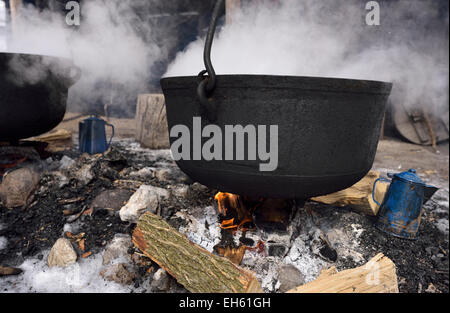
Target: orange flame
[[235, 214]]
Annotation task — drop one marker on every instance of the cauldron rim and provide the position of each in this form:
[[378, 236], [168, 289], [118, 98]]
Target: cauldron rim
[[55, 57], [313, 83]]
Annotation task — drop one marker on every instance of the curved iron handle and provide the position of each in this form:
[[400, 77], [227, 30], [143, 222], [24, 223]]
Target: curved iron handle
[[373, 189], [112, 135], [208, 83]]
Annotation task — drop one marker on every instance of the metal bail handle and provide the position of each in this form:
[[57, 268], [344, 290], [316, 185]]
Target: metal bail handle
[[112, 134], [373, 190], [208, 83]]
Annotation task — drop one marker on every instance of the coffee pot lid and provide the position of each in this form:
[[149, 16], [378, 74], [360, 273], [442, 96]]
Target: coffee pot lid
[[410, 176]]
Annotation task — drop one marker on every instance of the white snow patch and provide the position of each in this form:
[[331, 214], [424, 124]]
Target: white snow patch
[[80, 277]]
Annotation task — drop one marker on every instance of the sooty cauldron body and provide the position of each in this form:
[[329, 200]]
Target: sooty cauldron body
[[33, 94], [328, 130]]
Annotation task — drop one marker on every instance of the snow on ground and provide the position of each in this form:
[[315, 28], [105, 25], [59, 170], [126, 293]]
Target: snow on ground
[[81, 277]]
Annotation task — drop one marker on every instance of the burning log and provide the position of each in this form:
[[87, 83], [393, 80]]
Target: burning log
[[358, 196], [191, 265], [376, 276]]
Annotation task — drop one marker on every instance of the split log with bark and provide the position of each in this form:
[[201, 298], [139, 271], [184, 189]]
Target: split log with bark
[[376, 276], [192, 266], [359, 196]]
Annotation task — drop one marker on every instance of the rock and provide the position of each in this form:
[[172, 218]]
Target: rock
[[66, 162], [146, 172], [431, 289], [163, 175], [111, 200], [277, 250], [171, 175], [118, 273], [160, 281], [146, 198], [17, 186], [118, 247], [181, 191], [61, 179], [289, 277], [62, 254], [84, 174]]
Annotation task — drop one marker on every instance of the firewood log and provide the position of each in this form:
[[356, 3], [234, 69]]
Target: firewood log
[[376, 276], [358, 196], [192, 266]]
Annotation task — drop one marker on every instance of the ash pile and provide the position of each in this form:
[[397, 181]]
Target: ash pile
[[68, 221]]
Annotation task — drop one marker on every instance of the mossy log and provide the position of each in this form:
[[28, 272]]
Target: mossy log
[[192, 266]]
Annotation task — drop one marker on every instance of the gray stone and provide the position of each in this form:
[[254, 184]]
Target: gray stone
[[117, 248], [17, 186], [146, 198], [180, 191], [118, 273], [146, 172], [113, 199], [66, 162], [160, 281], [289, 277], [84, 174], [62, 254]]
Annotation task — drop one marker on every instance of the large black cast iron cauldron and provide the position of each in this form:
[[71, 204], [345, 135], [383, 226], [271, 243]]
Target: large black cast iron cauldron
[[328, 129], [33, 93]]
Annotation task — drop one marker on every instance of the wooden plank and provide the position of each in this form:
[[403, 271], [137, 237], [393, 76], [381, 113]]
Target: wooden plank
[[358, 196], [192, 266], [376, 276], [151, 121]]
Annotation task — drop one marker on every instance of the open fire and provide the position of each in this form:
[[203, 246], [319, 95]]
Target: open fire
[[244, 213]]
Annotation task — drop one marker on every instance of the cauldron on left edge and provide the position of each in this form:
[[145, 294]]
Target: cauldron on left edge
[[33, 93]]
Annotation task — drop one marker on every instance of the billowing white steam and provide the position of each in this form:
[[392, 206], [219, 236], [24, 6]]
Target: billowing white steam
[[111, 47], [332, 39]]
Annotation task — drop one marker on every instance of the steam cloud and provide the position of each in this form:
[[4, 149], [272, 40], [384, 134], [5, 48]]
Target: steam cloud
[[114, 47], [330, 38]]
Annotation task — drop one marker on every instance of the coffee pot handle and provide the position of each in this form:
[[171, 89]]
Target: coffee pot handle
[[373, 189], [112, 135]]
